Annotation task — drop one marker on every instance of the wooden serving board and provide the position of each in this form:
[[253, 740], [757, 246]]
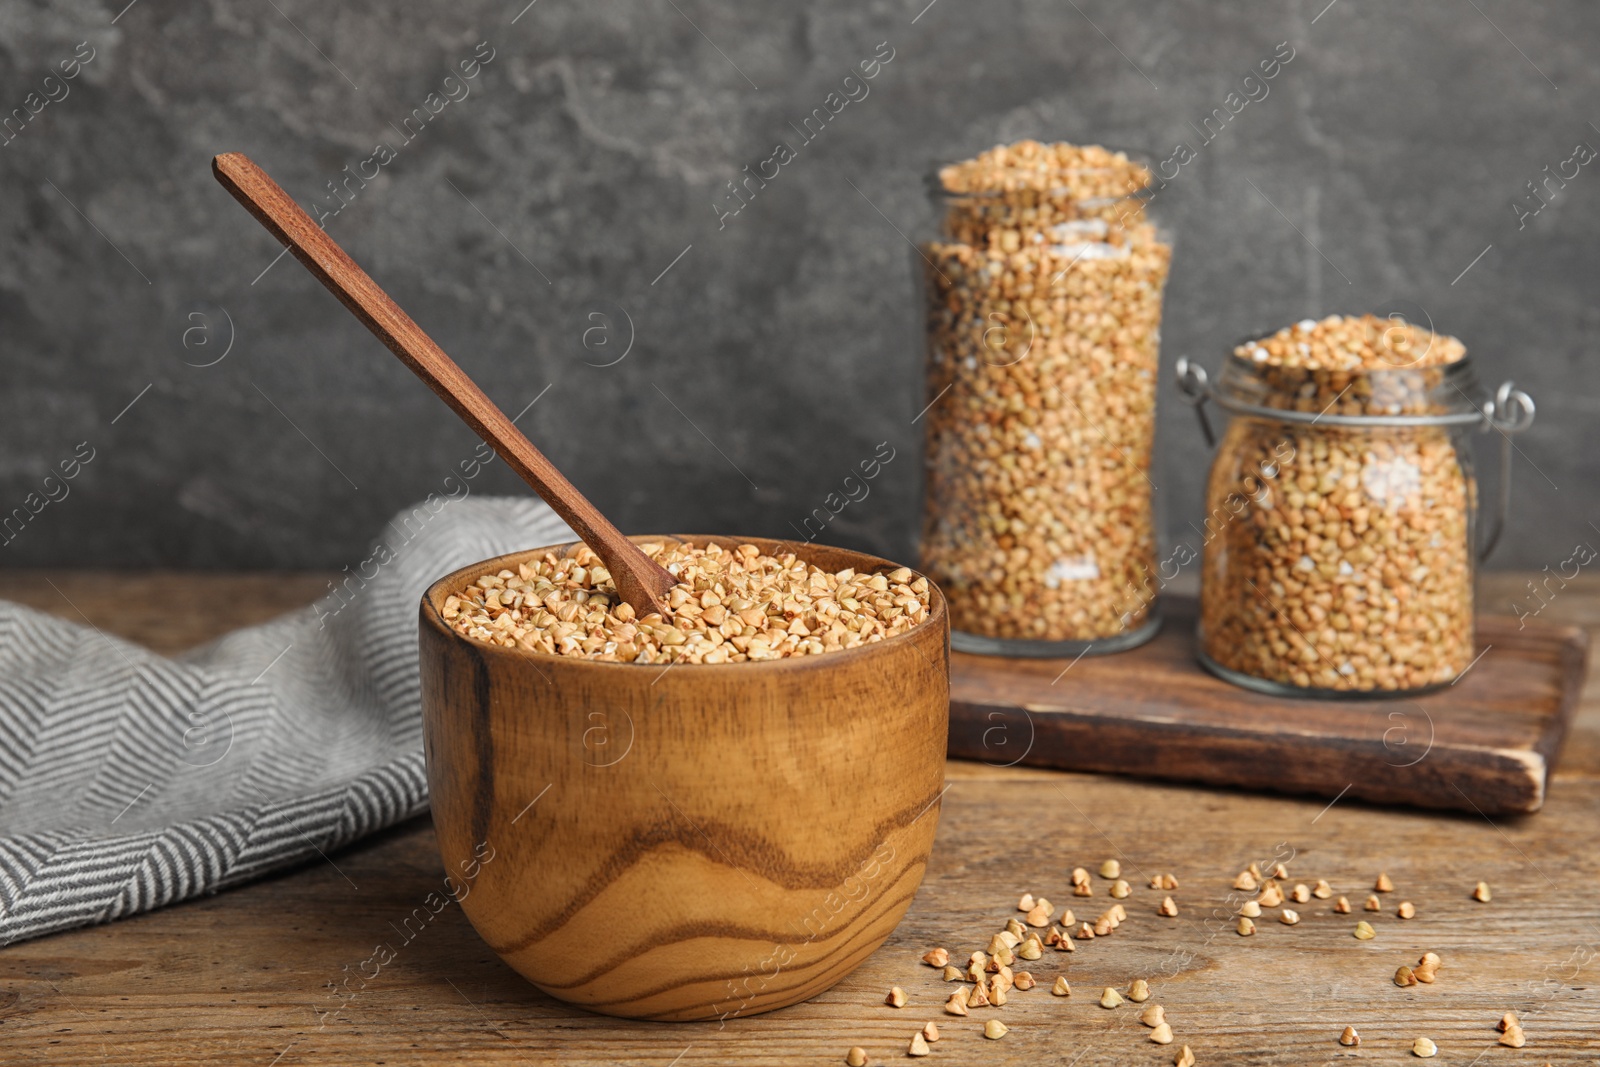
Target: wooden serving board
[[1486, 743]]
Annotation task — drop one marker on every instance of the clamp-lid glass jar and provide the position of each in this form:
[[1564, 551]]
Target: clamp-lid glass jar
[[1044, 285], [1339, 554]]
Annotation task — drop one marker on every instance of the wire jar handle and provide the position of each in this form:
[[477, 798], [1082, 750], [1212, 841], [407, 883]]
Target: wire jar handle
[[1509, 411]]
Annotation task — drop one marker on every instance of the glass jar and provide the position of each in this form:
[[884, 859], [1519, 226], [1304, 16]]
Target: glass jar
[[1043, 285], [1339, 540]]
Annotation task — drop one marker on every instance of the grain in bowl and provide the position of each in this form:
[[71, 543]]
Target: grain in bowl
[[731, 605], [707, 777]]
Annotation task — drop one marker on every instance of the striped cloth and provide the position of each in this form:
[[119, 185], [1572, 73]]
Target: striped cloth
[[129, 780]]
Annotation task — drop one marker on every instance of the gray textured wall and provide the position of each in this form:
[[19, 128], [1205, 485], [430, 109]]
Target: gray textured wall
[[781, 348]]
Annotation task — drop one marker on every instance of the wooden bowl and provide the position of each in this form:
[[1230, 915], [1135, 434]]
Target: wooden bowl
[[699, 841]]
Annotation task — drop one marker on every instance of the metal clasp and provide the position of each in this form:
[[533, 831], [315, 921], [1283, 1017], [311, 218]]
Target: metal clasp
[[1194, 385], [1511, 411]]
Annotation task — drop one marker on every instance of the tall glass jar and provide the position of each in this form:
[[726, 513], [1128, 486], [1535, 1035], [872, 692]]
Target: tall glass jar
[[1339, 540], [1043, 284]]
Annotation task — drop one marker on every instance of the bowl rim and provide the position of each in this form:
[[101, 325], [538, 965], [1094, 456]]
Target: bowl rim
[[937, 614]]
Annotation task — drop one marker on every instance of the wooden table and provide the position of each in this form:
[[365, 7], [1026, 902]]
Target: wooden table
[[241, 978]]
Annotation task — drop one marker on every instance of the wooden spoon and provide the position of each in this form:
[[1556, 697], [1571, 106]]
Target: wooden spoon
[[640, 581]]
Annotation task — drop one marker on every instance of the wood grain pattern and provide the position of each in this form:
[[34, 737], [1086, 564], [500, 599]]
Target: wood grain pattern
[[640, 580], [1488, 741], [254, 975], [685, 842]]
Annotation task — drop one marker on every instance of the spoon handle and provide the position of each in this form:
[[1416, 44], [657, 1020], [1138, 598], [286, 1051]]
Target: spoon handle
[[640, 581]]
